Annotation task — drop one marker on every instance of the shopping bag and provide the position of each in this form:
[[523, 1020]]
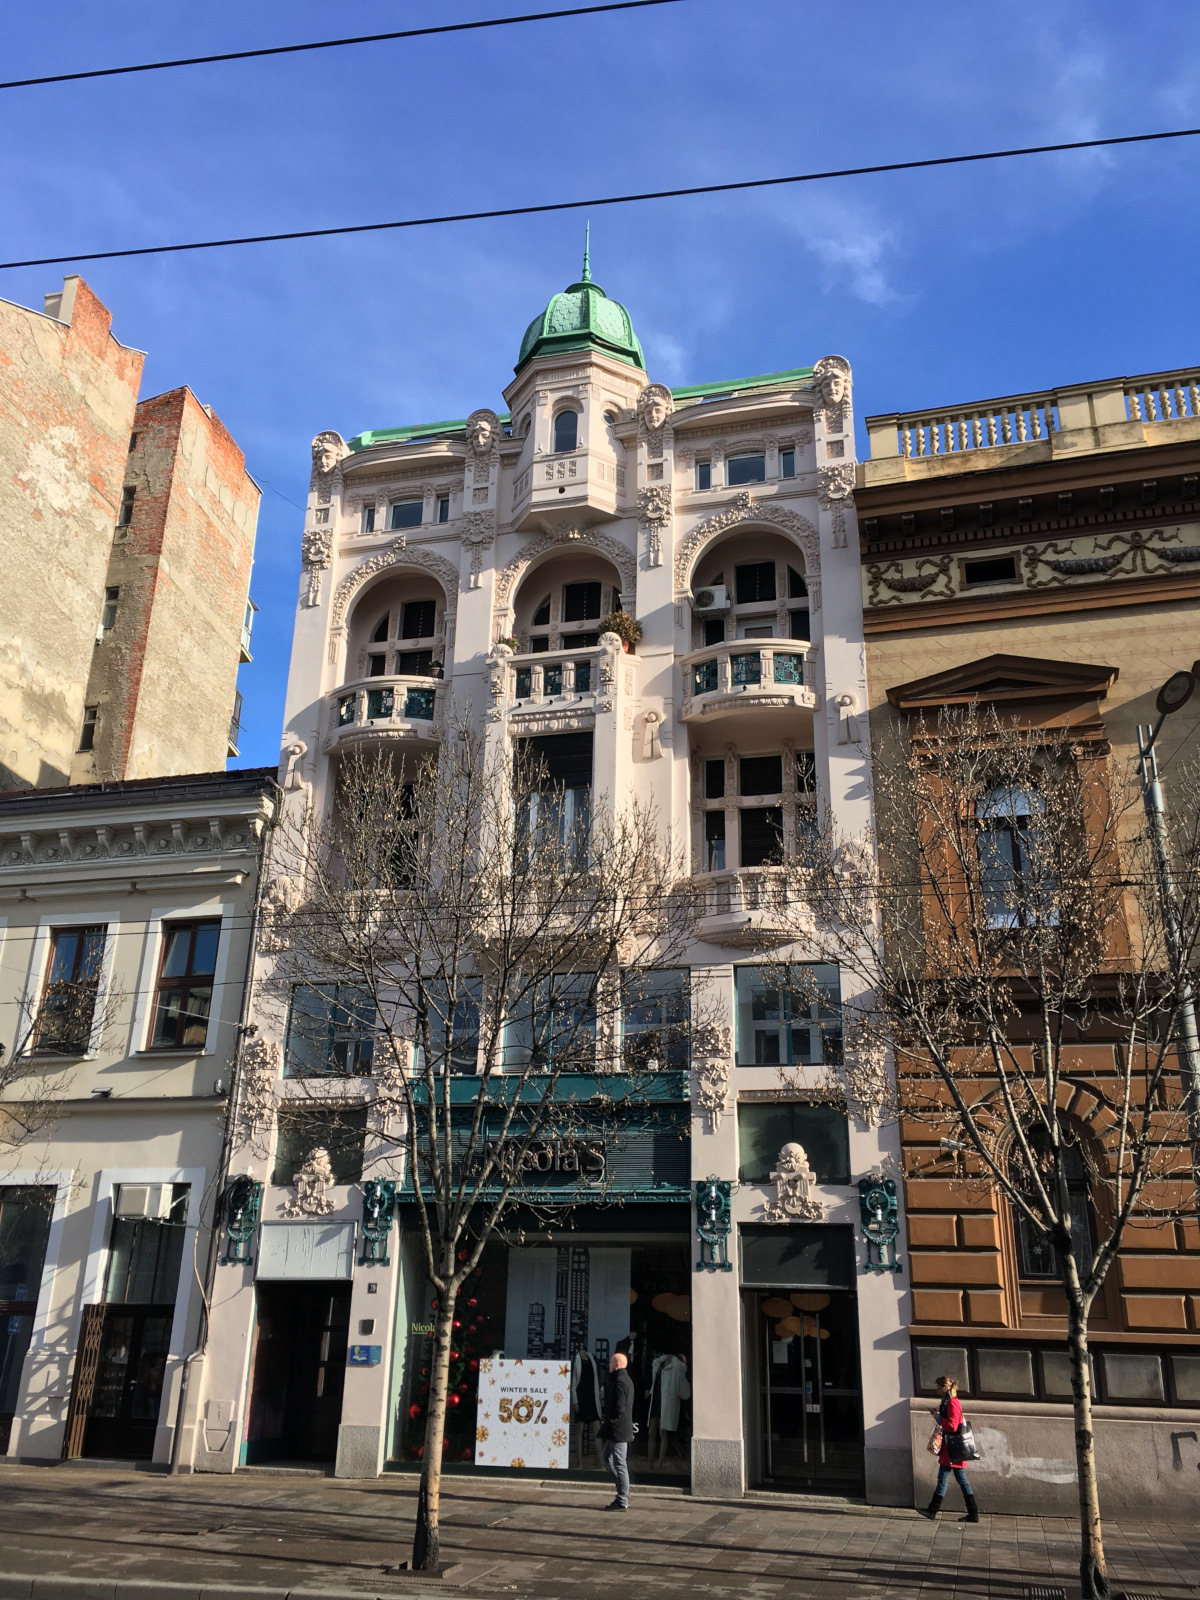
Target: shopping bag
[[935, 1442]]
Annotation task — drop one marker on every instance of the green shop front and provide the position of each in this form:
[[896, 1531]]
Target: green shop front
[[593, 1256]]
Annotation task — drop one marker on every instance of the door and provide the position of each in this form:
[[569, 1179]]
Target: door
[[809, 1389], [298, 1372], [127, 1388]]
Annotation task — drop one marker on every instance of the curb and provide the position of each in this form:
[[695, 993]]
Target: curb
[[28, 1586]]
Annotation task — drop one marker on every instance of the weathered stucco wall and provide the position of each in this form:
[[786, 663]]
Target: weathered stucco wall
[[67, 395], [164, 676]]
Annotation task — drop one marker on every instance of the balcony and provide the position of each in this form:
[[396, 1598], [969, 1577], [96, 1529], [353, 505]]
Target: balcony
[[747, 908], [575, 480], [740, 676], [527, 686], [386, 709], [1116, 413]]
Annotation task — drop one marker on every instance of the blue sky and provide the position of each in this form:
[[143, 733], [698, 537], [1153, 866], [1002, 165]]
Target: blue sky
[[938, 286]]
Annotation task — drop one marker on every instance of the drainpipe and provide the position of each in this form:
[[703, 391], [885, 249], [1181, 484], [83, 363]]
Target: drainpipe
[[223, 1170]]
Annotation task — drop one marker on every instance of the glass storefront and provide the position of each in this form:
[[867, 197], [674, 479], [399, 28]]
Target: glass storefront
[[24, 1229], [570, 1297]]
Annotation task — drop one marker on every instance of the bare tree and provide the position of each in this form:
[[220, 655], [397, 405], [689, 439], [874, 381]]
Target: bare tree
[[495, 927], [1004, 922]]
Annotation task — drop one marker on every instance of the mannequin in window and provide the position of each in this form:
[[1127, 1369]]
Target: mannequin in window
[[587, 1393], [669, 1388]]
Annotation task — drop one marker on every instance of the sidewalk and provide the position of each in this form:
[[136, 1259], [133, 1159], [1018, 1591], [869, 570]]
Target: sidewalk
[[289, 1534]]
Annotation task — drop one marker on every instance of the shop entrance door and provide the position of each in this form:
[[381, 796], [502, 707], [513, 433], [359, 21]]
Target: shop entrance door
[[123, 1417], [809, 1389], [302, 1332]]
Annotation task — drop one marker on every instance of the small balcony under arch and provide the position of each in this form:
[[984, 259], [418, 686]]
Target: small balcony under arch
[[741, 677]]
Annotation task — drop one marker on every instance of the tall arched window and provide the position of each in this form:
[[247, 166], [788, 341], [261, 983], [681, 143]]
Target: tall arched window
[[566, 431]]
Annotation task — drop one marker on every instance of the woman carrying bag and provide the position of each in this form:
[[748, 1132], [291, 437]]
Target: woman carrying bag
[[951, 1452]]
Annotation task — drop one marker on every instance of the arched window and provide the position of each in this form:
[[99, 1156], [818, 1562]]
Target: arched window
[[523, 429], [566, 431], [542, 615], [381, 631], [1035, 1254]]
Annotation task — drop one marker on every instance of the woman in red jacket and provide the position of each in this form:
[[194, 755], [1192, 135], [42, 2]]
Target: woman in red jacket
[[949, 1417]]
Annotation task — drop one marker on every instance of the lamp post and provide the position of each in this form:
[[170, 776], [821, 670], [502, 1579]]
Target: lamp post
[[1173, 695]]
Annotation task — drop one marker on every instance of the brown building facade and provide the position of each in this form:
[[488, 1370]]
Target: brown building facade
[[1043, 548], [129, 534]]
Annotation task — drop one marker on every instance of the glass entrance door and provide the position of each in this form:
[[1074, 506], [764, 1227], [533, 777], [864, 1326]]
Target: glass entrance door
[[810, 1389], [123, 1418]]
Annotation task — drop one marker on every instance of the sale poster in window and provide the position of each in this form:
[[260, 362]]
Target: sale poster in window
[[523, 1414]]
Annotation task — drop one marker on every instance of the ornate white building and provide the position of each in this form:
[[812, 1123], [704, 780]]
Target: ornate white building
[[474, 562]]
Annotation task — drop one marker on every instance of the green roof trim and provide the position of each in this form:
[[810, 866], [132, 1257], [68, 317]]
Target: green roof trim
[[418, 430], [701, 391]]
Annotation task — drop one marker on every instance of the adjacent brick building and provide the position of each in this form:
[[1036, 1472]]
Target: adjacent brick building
[[1041, 554], [124, 613]]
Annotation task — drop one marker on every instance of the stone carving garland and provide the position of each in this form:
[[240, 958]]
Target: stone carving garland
[[835, 489], [259, 1071], [794, 1179], [478, 532], [654, 513], [711, 1051], [618, 554], [312, 1183], [398, 554], [316, 552], [744, 508]]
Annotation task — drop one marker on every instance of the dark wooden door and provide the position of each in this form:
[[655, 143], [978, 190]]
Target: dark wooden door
[[122, 1419]]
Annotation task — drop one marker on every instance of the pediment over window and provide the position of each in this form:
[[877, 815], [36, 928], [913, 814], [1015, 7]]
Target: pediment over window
[[1001, 680]]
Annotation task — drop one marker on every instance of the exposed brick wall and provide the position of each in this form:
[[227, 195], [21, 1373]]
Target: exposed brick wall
[[67, 395], [166, 675]]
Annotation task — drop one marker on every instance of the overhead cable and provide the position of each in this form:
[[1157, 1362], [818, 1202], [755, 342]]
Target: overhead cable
[[604, 200], [334, 44]]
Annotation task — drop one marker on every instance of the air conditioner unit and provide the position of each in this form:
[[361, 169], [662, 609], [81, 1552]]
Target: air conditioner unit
[[152, 1200], [714, 599]]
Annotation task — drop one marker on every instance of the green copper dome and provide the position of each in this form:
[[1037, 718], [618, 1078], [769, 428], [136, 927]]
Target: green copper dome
[[582, 317]]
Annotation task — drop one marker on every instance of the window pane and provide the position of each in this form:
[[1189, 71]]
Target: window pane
[[761, 836], [407, 514], [339, 1130], [759, 775], [418, 620], [1133, 1375], [800, 625], [1056, 1375], [934, 1361], [704, 474], [580, 600], [746, 469], [167, 1016], [66, 948], [193, 1020], [755, 581], [1187, 1379], [1004, 1371], [204, 951], [764, 1127], [656, 1009], [330, 1029], [714, 780], [787, 464], [178, 942], [24, 1228], [566, 430], [414, 663], [714, 841], [767, 1023]]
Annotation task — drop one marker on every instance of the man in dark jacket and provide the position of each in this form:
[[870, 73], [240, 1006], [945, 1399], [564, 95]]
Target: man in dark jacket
[[617, 1427]]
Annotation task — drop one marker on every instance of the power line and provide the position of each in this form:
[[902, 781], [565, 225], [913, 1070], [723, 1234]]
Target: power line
[[606, 200], [334, 44]]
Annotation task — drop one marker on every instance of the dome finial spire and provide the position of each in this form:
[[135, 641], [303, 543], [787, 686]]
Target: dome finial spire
[[586, 275]]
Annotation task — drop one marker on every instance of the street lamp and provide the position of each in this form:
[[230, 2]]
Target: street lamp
[[1173, 695]]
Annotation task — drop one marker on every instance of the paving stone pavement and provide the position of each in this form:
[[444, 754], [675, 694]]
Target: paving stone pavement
[[524, 1538]]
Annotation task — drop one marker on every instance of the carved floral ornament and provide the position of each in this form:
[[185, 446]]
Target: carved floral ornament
[[258, 1072], [312, 1183], [398, 554], [794, 1180], [745, 509], [477, 529], [588, 538], [711, 1053]]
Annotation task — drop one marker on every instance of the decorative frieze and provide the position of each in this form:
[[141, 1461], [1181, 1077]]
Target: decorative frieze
[[745, 508]]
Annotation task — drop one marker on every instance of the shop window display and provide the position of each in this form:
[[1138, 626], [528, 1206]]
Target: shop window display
[[578, 1302]]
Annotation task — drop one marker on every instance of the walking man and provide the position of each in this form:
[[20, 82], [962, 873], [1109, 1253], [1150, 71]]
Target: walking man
[[616, 1429]]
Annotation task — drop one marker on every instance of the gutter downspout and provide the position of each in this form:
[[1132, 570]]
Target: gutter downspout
[[223, 1171]]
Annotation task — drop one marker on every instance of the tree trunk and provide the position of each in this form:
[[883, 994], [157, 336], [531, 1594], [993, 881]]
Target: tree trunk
[[426, 1551], [1093, 1570]]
